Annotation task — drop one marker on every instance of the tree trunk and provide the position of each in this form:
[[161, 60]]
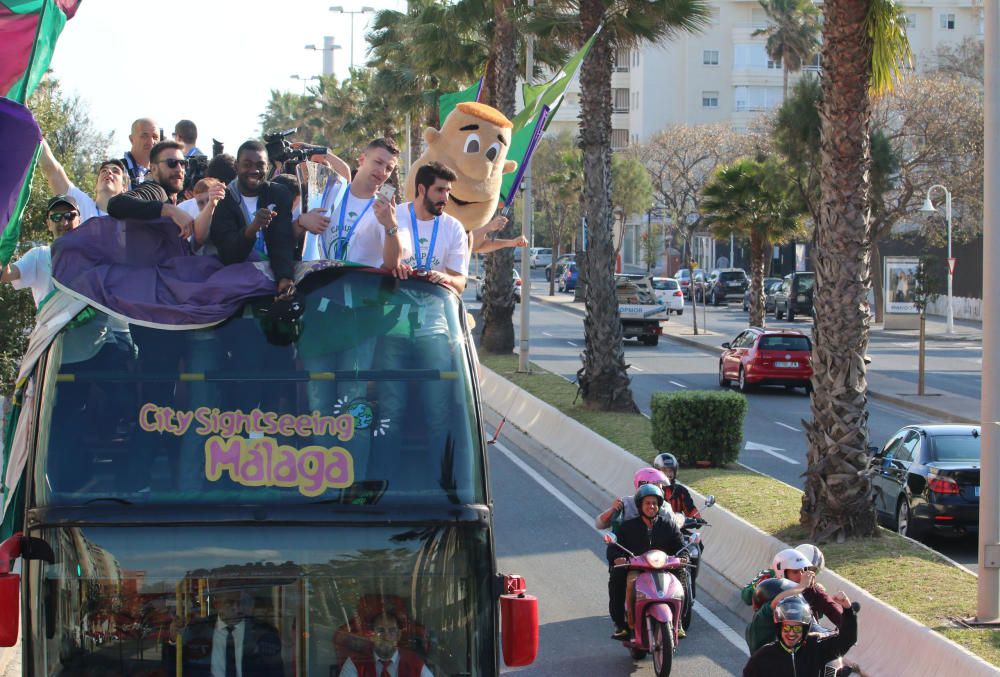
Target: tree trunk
[[498, 302], [758, 249], [552, 265], [603, 379], [837, 499]]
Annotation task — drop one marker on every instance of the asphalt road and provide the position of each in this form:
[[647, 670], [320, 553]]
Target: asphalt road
[[775, 443], [544, 532]]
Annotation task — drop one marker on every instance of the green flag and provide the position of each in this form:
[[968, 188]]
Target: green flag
[[550, 93], [447, 102]]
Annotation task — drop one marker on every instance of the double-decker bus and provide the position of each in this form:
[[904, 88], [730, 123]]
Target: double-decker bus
[[315, 487]]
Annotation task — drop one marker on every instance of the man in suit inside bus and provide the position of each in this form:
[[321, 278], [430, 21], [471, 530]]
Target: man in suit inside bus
[[229, 642]]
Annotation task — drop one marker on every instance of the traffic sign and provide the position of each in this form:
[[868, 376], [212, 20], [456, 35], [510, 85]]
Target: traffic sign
[[951, 266]]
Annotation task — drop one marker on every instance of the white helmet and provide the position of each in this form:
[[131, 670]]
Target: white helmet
[[789, 559], [813, 554]]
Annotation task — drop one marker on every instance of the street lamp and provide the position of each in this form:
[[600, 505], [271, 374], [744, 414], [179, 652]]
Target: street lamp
[[304, 79], [340, 10], [929, 208]]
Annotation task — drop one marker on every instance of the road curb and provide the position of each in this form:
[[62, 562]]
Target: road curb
[[896, 400]]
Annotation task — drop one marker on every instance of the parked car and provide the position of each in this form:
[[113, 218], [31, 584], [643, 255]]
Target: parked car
[[559, 265], [767, 357], [683, 277], [540, 256], [726, 283], [567, 281], [668, 292], [481, 284], [795, 297], [926, 479], [641, 312], [767, 283]]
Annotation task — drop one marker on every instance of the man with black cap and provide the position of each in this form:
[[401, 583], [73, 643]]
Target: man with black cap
[[112, 179], [34, 270]]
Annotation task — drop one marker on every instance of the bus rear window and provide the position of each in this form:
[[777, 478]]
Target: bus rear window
[[366, 399]]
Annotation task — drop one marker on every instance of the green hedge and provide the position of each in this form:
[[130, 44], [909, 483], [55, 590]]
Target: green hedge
[[699, 425]]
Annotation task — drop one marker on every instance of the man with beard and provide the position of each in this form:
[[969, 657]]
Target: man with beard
[[112, 179], [387, 658], [34, 269], [256, 216], [157, 196], [138, 160]]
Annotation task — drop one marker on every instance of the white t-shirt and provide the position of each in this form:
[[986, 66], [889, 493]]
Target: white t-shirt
[[368, 239], [88, 207], [250, 208], [35, 268], [190, 207], [451, 249]]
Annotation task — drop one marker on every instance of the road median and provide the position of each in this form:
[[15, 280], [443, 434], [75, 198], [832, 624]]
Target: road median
[[889, 575]]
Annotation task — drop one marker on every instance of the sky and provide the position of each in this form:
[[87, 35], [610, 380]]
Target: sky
[[211, 61]]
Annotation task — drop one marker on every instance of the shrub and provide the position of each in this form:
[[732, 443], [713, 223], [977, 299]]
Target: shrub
[[699, 425]]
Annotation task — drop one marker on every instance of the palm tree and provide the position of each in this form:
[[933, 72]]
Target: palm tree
[[864, 44], [793, 35], [603, 379], [753, 199]]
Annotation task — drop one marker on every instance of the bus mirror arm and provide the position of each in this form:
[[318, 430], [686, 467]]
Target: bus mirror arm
[[496, 433]]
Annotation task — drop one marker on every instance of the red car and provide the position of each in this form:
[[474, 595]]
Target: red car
[[762, 357]]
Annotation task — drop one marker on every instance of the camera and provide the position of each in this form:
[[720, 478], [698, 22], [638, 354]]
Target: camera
[[281, 153], [197, 169]]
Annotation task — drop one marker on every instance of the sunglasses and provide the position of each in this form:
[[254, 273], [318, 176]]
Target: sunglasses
[[791, 628], [57, 217], [173, 163]]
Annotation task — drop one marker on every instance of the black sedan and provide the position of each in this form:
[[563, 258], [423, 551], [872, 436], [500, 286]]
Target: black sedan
[[926, 479], [769, 285]]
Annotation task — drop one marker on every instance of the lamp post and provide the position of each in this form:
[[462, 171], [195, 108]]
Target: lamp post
[[929, 208], [303, 79], [340, 10], [328, 49]]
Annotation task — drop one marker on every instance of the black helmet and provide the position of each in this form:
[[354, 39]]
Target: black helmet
[[648, 490], [667, 461], [793, 610], [769, 588]]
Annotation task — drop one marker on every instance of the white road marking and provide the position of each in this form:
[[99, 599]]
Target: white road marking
[[679, 385], [785, 425], [632, 366], [545, 333], [773, 451], [714, 621], [572, 344]]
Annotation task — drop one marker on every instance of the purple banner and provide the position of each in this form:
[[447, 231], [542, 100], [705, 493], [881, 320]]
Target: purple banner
[[19, 137]]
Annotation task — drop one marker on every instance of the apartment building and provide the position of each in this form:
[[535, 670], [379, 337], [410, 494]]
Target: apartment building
[[724, 74]]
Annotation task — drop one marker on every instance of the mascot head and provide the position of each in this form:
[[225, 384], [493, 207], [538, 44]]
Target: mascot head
[[473, 141]]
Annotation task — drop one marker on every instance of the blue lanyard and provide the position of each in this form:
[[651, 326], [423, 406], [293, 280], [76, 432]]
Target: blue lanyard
[[259, 243], [426, 265], [342, 242]]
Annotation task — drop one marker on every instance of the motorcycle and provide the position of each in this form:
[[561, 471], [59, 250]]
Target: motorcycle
[[657, 606], [694, 546]]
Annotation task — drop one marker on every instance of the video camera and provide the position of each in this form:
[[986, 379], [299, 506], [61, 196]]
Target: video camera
[[284, 157]]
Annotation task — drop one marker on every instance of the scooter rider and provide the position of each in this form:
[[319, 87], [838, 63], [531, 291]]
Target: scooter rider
[[623, 508], [797, 653], [677, 496], [649, 531]]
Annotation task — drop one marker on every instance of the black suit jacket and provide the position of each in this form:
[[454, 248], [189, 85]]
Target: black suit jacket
[[632, 534], [261, 649], [229, 226]]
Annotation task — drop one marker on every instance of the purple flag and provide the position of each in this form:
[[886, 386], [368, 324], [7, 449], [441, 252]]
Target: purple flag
[[19, 139], [143, 271]]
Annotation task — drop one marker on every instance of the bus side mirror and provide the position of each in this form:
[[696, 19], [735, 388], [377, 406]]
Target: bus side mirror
[[519, 622], [10, 592]]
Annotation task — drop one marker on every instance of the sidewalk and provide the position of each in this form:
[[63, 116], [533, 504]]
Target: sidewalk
[[947, 406]]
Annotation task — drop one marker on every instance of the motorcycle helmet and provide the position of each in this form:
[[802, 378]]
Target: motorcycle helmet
[[648, 476], [793, 610], [768, 589], [648, 490], [667, 461], [789, 559], [813, 554]]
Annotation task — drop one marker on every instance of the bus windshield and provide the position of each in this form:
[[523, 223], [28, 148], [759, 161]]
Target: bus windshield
[[367, 398]]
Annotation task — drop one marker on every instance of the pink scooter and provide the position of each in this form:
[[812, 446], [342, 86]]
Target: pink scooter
[[658, 600]]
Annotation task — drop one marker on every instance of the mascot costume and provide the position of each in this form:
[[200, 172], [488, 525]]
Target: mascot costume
[[473, 141]]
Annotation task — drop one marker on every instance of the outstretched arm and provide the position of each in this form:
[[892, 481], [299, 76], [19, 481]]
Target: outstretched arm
[[54, 173]]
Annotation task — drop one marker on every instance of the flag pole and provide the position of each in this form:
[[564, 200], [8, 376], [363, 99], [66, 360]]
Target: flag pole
[[523, 363]]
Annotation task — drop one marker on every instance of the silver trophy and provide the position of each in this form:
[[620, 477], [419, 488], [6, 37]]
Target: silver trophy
[[322, 188]]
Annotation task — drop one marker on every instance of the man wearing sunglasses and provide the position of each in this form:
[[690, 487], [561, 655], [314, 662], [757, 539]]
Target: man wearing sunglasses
[[112, 179], [34, 270], [156, 197]]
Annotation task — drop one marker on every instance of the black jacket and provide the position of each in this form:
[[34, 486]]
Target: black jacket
[[773, 660], [228, 231], [145, 201], [634, 535], [261, 649]]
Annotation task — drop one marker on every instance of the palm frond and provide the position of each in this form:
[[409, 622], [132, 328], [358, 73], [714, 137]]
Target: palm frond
[[886, 25]]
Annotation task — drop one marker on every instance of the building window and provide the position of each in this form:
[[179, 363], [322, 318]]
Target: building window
[[750, 57], [709, 99], [773, 65], [750, 98], [948, 22], [758, 18], [621, 100], [714, 15], [815, 64], [619, 139], [911, 20], [621, 61], [710, 57], [635, 58]]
